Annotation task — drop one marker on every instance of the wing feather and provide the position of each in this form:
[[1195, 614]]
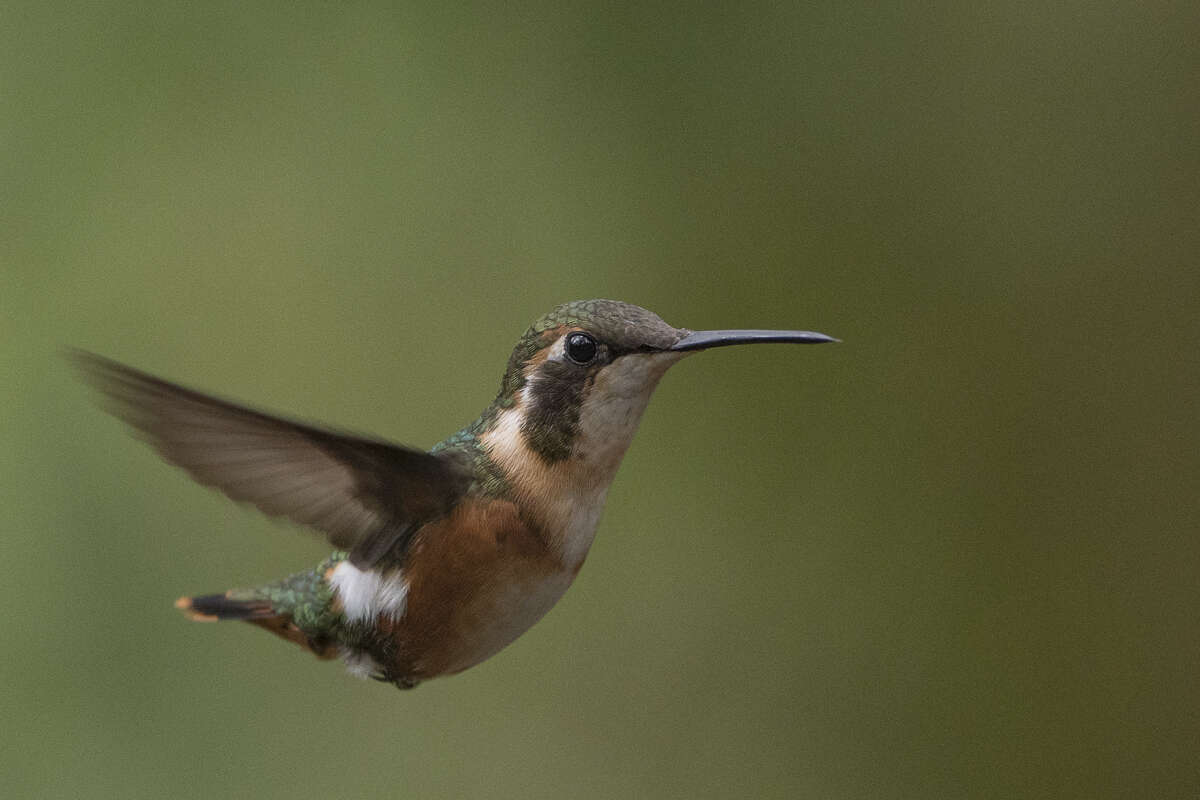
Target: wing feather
[[367, 496]]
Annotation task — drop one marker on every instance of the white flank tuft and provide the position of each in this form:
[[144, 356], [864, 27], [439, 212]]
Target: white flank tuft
[[365, 595], [359, 664]]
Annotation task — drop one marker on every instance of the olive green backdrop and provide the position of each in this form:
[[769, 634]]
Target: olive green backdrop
[[955, 556]]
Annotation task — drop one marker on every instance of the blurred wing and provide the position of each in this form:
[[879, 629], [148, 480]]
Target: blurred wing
[[369, 497]]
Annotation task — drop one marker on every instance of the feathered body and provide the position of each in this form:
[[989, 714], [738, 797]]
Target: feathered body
[[445, 556]]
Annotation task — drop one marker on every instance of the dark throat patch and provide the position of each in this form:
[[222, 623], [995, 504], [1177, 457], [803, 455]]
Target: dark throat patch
[[551, 422]]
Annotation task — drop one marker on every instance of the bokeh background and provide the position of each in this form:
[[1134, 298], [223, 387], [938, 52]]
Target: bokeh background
[[953, 557]]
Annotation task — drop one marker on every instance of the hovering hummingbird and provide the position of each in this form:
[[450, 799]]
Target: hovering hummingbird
[[443, 557]]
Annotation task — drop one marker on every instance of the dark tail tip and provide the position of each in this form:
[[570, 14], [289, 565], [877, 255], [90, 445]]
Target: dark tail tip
[[214, 607]]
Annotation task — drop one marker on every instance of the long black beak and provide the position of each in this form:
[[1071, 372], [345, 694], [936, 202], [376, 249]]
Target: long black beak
[[702, 340]]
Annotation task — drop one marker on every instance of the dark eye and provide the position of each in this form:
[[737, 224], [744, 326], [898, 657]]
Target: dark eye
[[581, 348]]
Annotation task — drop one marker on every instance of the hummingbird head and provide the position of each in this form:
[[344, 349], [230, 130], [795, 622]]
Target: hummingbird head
[[576, 385], [580, 377]]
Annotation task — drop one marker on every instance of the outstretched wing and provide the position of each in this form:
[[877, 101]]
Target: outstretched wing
[[369, 497]]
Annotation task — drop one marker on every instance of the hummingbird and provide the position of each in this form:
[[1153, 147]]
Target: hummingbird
[[443, 557]]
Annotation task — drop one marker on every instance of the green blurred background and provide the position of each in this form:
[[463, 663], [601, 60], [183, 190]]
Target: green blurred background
[[955, 556]]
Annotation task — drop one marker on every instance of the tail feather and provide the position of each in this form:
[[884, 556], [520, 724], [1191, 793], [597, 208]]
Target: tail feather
[[299, 608], [214, 607]]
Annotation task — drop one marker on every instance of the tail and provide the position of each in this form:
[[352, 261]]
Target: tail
[[217, 607], [299, 609]]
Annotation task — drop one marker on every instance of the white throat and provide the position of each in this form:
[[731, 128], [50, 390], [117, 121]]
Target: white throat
[[567, 496]]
